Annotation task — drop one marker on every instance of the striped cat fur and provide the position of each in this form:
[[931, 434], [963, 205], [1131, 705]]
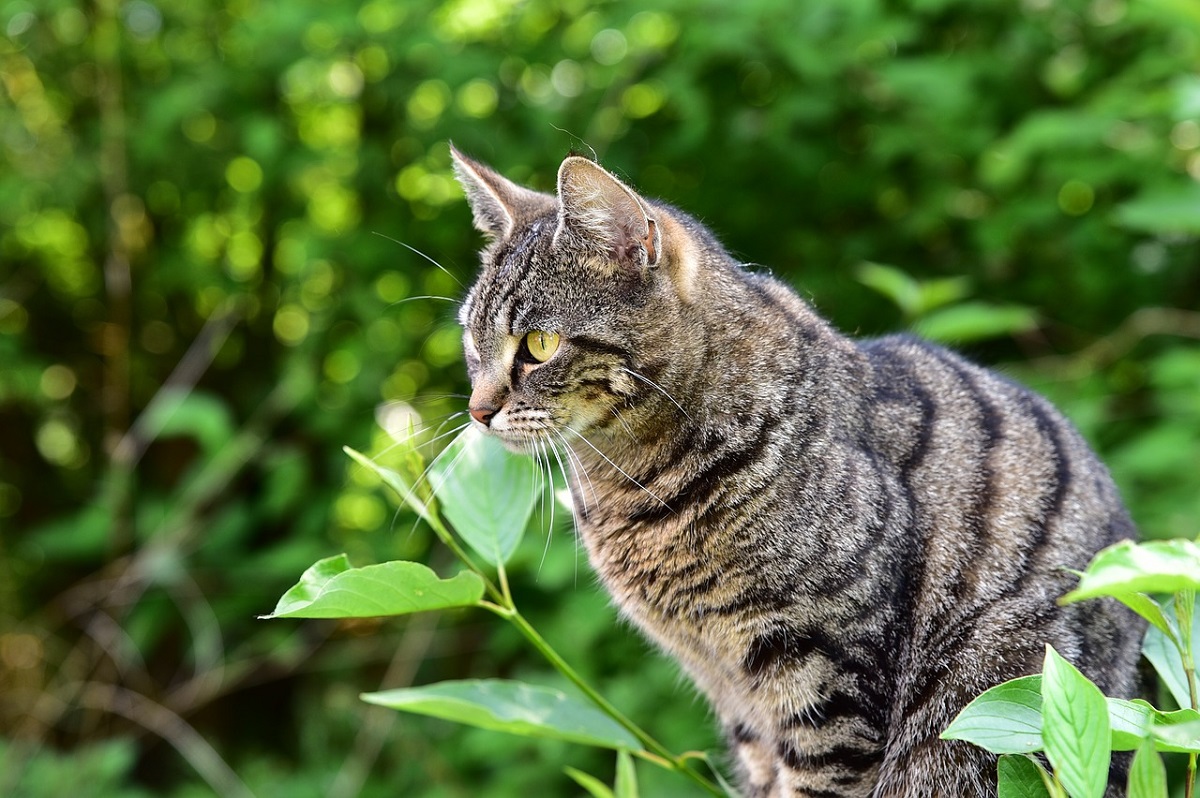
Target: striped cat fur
[[842, 542]]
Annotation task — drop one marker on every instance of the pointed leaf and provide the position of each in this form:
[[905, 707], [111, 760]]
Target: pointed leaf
[[1156, 566], [626, 786], [1007, 719], [1165, 657], [1018, 776], [487, 492], [893, 283], [332, 589], [398, 483], [1147, 774], [513, 707], [1075, 728], [593, 785]]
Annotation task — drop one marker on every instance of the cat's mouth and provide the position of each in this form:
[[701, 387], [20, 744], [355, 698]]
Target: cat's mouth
[[529, 442]]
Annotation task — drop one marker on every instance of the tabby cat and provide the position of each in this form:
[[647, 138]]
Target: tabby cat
[[842, 542]]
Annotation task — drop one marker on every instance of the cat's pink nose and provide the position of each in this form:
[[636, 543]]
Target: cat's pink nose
[[484, 414]]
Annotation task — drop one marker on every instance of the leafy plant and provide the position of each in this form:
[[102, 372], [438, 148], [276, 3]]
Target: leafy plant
[[488, 496], [1062, 715]]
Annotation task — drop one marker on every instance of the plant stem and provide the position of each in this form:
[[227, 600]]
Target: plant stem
[[656, 748], [501, 597], [1185, 607]]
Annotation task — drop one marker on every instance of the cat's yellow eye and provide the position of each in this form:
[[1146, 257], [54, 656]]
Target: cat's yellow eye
[[541, 344]]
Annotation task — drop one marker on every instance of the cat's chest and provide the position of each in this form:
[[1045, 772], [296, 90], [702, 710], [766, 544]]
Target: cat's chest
[[668, 575]]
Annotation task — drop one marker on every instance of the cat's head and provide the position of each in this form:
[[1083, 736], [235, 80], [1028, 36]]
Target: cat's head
[[576, 318]]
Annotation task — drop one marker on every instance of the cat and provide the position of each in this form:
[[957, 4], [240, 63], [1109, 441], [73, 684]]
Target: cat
[[841, 542]]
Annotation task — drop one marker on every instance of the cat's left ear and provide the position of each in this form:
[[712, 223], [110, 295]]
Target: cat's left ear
[[603, 210], [497, 203]]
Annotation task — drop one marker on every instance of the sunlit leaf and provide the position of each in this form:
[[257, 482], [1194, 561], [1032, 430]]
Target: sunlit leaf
[[1075, 728], [1163, 211], [1164, 656], [397, 482], [1177, 731], [627, 785], [1018, 776], [1147, 774], [510, 706], [333, 589], [1007, 719], [1156, 566], [1130, 723], [593, 785], [487, 493]]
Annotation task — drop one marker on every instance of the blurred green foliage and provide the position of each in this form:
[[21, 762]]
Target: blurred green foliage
[[206, 290]]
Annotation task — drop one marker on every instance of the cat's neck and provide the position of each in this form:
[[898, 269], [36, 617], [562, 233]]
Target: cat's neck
[[757, 358]]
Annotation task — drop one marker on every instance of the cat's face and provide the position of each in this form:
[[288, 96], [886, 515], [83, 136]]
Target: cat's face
[[568, 310]]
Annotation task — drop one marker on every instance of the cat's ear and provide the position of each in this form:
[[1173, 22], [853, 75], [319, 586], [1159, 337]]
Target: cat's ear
[[496, 202], [603, 210]]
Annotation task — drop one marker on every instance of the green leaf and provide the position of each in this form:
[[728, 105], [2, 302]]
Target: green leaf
[[1075, 728], [1136, 722], [1177, 731], [975, 321], [1156, 566], [202, 416], [513, 707], [487, 492], [1019, 776], [893, 283], [1147, 774], [402, 487], [332, 589], [1174, 211], [1007, 719], [1130, 723], [626, 786], [593, 785], [1148, 608], [1164, 655]]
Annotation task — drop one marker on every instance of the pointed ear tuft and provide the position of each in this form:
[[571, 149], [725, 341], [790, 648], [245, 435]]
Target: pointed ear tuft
[[607, 213], [496, 202]]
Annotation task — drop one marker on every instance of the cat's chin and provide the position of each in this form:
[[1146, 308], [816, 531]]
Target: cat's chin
[[520, 442]]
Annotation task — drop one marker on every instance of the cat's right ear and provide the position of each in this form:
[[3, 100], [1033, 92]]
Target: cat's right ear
[[496, 202]]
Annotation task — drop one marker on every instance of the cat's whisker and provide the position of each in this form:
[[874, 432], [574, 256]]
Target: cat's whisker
[[432, 464], [658, 388], [424, 428], [449, 469], [620, 470], [423, 296], [621, 420], [546, 472], [411, 248], [582, 478]]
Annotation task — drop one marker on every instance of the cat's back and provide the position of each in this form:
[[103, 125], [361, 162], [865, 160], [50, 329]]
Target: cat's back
[[1006, 496]]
